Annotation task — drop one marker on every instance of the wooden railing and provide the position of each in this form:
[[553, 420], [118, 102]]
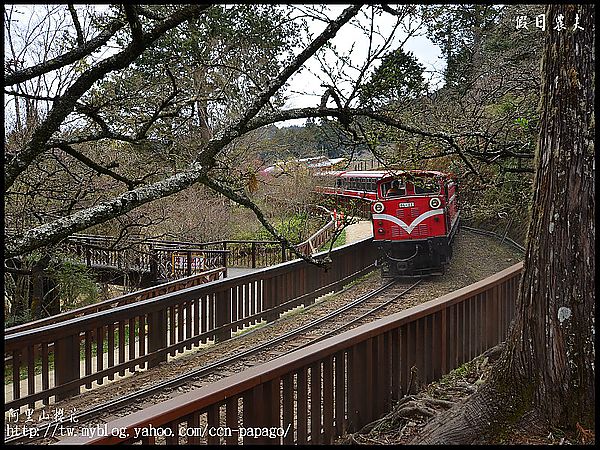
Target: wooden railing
[[321, 236], [338, 385], [125, 299], [170, 260], [144, 333]]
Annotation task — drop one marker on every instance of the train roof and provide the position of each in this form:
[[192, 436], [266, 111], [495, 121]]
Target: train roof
[[381, 174]]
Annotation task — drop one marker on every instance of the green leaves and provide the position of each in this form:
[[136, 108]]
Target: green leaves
[[76, 284], [399, 77], [522, 122]]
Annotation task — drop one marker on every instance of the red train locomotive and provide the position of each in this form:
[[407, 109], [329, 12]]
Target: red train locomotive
[[414, 213]]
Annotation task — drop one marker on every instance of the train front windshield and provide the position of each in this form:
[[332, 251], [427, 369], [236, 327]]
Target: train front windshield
[[425, 185], [409, 186], [394, 188]]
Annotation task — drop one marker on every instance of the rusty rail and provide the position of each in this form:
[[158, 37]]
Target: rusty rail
[[337, 385], [144, 333]]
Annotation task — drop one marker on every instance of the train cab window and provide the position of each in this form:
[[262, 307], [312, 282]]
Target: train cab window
[[425, 186], [338, 183], [394, 188]]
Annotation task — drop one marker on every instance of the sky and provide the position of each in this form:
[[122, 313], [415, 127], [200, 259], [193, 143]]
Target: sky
[[428, 54]]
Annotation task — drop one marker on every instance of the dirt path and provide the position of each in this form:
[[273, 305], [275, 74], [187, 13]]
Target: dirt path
[[359, 231]]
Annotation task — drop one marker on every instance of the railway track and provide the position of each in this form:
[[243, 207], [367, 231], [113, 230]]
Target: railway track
[[333, 322], [495, 235]]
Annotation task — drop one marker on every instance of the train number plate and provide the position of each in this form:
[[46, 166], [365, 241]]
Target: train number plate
[[406, 205]]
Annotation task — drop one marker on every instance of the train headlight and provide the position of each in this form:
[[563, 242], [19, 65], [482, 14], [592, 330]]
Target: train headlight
[[378, 207], [435, 202]]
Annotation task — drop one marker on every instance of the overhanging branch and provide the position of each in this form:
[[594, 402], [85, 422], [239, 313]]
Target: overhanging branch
[[97, 167], [68, 58], [63, 227], [66, 103], [243, 200]]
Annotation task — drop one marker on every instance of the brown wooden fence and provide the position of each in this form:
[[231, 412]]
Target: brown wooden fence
[[170, 259], [134, 335], [126, 299], [337, 385]]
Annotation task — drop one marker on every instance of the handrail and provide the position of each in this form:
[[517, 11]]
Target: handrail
[[116, 301], [307, 246], [362, 369], [144, 306]]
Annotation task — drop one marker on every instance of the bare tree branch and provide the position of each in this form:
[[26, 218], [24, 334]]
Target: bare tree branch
[[242, 199], [80, 39], [390, 10], [64, 106], [29, 96], [131, 14], [196, 171], [156, 115], [97, 167], [19, 76], [143, 11]]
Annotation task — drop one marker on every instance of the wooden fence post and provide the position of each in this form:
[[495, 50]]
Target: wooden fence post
[[157, 335], [223, 313], [66, 364], [153, 264]]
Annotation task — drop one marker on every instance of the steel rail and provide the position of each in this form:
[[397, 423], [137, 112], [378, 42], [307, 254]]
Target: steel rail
[[362, 316], [496, 235]]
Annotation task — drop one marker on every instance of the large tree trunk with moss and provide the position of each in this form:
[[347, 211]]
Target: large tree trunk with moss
[[547, 367]]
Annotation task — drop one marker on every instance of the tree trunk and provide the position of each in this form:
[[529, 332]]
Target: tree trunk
[[548, 364]]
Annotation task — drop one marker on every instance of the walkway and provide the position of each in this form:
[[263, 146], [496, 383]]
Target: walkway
[[239, 271], [359, 231]]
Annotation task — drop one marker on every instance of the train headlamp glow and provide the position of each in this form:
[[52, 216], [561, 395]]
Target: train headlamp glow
[[435, 202], [378, 207]]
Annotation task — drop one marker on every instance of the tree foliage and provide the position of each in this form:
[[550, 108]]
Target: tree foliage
[[546, 373], [399, 77], [458, 30], [114, 111]]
